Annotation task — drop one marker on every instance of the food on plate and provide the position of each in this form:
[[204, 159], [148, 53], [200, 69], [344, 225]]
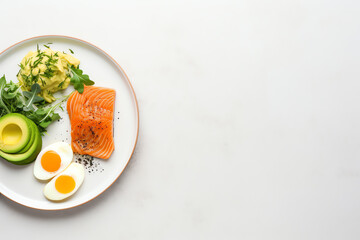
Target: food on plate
[[91, 116], [28, 107], [20, 139], [49, 68], [53, 71], [52, 160], [27, 103], [15, 132], [41, 74], [66, 183], [78, 79]]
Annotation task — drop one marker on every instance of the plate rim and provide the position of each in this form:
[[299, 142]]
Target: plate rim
[[136, 108]]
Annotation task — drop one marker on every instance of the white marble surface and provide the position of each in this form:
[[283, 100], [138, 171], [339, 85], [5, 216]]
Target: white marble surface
[[249, 119]]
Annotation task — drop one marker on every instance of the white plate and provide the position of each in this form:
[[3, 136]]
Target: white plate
[[17, 182]]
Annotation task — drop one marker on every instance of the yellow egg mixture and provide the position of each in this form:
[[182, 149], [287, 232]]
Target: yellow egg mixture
[[48, 68]]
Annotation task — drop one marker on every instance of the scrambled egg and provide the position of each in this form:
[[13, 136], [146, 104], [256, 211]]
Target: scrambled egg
[[48, 68]]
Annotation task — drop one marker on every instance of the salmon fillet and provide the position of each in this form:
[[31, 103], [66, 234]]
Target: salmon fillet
[[91, 117]]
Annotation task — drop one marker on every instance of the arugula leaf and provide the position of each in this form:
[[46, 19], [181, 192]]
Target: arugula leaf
[[44, 116], [32, 97], [2, 86], [78, 79], [2, 80], [12, 91], [18, 103], [29, 104], [49, 119], [12, 97]]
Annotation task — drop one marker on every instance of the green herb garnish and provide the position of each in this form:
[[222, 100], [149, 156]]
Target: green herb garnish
[[21, 66], [27, 103], [61, 84], [2, 104], [32, 97], [44, 116], [78, 79]]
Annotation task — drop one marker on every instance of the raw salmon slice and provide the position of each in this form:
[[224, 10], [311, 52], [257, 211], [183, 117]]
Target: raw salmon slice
[[91, 117]]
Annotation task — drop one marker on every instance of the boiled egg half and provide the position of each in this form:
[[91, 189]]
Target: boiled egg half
[[52, 160], [66, 183]]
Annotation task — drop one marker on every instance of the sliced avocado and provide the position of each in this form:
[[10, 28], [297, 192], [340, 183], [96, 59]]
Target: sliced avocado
[[15, 132], [28, 156], [32, 138]]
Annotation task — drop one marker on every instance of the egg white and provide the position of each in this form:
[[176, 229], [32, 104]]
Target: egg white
[[66, 154], [76, 171]]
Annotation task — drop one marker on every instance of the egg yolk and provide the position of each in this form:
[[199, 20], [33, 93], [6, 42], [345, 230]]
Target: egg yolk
[[50, 161], [64, 184]]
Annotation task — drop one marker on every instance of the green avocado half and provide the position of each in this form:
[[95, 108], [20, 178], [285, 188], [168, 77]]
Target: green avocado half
[[31, 153], [32, 137], [15, 132]]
